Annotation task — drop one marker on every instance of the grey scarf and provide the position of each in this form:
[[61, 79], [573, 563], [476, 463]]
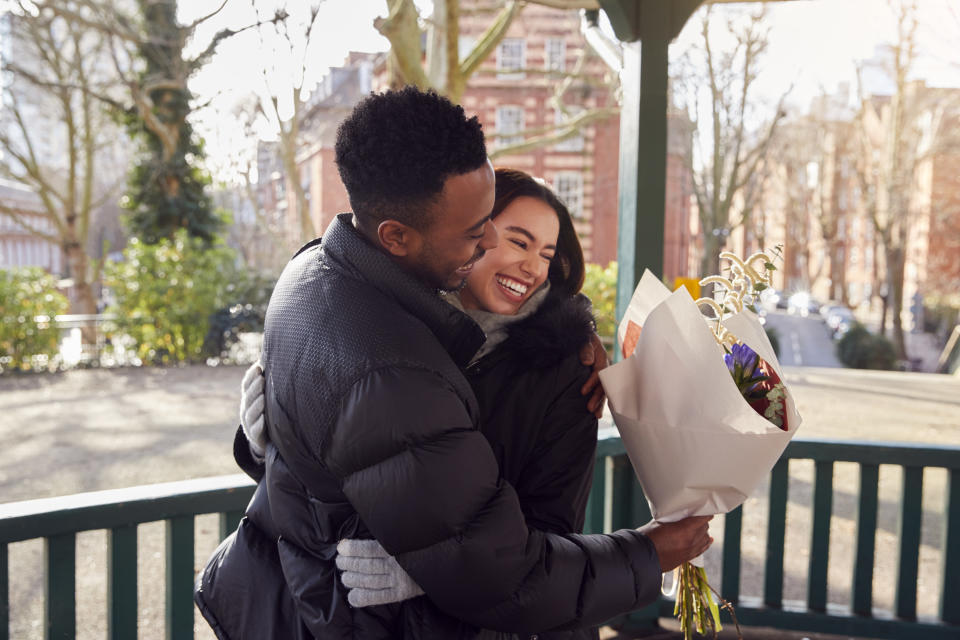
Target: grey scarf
[[495, 324]]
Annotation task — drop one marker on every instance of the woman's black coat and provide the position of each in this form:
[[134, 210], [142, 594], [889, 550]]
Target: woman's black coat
[[536, 420]]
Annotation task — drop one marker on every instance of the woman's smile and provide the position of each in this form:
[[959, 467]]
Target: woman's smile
[[514, 289]]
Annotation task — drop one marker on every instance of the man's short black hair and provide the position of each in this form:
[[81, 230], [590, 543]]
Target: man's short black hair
[[396, 150]]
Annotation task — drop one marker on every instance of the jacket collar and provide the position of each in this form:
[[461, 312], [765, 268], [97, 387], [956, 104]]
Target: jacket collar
[[344, 246]]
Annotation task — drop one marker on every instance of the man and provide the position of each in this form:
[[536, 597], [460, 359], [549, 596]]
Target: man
[[373, 428]]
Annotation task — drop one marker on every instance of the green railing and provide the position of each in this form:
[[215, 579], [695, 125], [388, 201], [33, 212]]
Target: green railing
[[118, 511], [616, 502]]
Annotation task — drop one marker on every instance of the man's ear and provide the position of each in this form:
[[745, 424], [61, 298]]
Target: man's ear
[[397, 238]]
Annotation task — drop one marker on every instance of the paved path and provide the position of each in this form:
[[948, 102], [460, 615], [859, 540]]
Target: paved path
[[97, 429]]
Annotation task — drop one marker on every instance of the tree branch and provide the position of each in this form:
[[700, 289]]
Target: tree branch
[[16, 216]]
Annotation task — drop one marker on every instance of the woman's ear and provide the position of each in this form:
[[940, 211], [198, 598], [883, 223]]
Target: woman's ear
[[397, 238]]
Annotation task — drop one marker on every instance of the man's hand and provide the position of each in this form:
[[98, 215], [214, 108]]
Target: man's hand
[[594, 355], [679, 542]]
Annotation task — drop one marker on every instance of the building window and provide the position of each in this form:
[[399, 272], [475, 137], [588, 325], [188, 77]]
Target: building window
[[556, 53], [465, 45], [568, 186], [509, 121], [511, 58], [575, 142]]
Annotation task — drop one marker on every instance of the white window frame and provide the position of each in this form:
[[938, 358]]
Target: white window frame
[[511, 119], [568, 185], [554, 60], [507, 67], [573, 143]]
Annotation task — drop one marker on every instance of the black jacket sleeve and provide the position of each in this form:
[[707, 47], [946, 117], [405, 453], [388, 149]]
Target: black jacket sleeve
[[426, 484]]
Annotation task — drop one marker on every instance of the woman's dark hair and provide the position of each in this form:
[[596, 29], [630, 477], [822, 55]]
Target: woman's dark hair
[[567, 268], [396, 150]]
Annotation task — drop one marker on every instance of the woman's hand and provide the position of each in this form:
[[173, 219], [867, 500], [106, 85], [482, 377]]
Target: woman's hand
[[251, 410], [594, 355]]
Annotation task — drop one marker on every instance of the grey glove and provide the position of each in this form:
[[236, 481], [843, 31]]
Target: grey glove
[[251, 410], [372, 575]]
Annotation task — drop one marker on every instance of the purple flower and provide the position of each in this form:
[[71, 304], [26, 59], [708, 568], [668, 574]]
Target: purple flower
[[742, 362]]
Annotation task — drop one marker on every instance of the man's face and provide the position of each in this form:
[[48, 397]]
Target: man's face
[[460, 230]]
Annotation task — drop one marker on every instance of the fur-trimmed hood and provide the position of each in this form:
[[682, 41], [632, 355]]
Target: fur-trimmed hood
[[560, 327]]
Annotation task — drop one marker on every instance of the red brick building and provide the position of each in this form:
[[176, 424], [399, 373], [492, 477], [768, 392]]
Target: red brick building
[[512, 93]]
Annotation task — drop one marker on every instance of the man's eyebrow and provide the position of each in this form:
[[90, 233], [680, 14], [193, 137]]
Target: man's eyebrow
[[529, 235], [479, 224]]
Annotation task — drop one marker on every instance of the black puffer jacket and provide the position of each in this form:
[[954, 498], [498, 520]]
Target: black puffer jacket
[[373, 432]]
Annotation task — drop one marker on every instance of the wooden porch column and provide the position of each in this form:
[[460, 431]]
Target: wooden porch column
[[643, 133]]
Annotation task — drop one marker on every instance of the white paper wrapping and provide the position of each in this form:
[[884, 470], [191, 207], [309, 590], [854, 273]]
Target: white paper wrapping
[[696, 446]]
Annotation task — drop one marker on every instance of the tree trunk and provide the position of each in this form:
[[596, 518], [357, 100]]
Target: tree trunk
[[895, 268], [713, 244], [84, 301]]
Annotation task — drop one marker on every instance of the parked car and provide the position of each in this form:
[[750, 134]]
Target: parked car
[[839, 320], [803, 304]]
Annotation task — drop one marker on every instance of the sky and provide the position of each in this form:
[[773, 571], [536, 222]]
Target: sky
[[814, 45]]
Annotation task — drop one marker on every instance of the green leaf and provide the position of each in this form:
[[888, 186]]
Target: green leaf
[[770, 266]]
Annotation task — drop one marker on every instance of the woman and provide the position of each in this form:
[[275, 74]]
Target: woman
[[527, 377]]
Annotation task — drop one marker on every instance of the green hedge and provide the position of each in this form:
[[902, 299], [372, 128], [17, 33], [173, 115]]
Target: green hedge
[[166, 294], [860, 349], [600, 285], [29, 302]]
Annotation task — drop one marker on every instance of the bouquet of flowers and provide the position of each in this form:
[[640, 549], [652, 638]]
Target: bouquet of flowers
[[700, 405]]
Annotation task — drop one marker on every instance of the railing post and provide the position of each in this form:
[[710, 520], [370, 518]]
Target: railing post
[[911, 512], [4, 593], [776, 531], [950, 584], [122, 583], [60, 587], [180, 578], [229, 521], [596, 503], [866, 540], [732, 529], [820, 536]]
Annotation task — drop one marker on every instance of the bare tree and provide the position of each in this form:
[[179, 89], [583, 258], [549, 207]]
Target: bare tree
[[55, 138], [896, 136], [729, 170], [289, 40], [146, 44]]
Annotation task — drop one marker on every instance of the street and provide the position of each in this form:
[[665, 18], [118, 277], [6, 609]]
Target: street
[[804, 342]]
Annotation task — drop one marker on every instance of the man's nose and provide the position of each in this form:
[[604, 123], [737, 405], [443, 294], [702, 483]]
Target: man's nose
[[490, 237]]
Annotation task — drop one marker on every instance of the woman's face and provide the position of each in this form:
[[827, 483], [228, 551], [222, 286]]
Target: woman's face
[[509, 274]]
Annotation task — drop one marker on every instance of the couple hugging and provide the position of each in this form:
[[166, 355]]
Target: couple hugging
[[426, 391]]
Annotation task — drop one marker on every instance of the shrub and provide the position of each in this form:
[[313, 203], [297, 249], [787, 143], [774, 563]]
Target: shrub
[[246, 312], [167, 292], [600, 285], [29, 302], [774, 336], [860, 349]]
